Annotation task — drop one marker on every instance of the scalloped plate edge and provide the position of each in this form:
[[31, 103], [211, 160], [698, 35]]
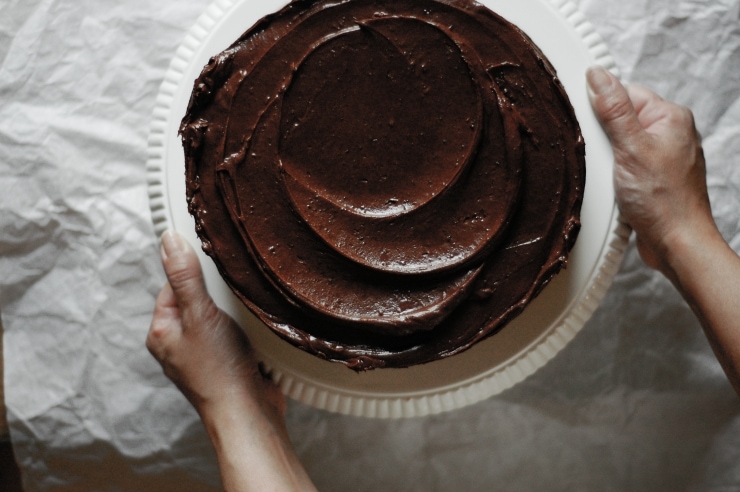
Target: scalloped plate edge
[[484, 387]]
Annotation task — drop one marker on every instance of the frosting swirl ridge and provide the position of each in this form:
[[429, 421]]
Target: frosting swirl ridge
[[383, 182]]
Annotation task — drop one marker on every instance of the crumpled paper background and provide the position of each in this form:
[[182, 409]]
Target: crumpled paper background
[[635, 402]]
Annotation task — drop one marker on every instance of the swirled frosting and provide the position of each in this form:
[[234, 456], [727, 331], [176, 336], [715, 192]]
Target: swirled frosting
[[383, 182]]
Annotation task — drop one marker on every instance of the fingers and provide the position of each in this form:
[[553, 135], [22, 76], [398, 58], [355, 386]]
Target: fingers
[[613, 106], [165, 326], [185, 276]]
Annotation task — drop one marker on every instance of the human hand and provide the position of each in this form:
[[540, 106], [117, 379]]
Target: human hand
[[208, 357], [659, 175], [200, 348]]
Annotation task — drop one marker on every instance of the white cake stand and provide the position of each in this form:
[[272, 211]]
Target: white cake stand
[[495, 364]]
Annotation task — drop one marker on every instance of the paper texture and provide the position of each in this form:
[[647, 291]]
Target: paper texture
[[636, 402]]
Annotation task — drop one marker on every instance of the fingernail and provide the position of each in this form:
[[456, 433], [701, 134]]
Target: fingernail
[[172, 244], [599, 80]]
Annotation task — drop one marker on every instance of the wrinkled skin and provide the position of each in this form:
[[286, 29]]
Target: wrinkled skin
[[203, 351], [660, 183]]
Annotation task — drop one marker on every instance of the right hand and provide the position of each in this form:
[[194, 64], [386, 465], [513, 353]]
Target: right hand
[[659, 176]]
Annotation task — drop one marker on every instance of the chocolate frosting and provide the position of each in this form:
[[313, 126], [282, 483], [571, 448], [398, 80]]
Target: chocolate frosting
[[383, 182]]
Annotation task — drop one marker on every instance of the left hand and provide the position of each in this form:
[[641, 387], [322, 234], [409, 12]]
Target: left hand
[[200, 348]]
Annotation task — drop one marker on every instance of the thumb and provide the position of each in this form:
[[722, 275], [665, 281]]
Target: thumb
[[613, 107], [183, 272]]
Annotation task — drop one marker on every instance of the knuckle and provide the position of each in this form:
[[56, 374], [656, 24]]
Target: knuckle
[[616, 107], [152, 346], [180, 274], [681, 117], [158, 332], [687, 115]]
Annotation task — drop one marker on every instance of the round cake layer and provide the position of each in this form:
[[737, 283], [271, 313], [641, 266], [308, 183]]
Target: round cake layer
[[383, 183]]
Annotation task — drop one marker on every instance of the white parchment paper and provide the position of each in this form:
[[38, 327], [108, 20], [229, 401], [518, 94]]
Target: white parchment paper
[[635, 402]]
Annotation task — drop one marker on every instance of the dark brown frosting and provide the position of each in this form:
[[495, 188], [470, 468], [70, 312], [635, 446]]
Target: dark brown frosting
[[384, 182]]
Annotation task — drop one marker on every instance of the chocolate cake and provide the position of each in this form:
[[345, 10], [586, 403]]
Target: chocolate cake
[[384, 182]]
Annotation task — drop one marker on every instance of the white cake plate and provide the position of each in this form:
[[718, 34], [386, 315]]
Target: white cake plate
[[491, 366]]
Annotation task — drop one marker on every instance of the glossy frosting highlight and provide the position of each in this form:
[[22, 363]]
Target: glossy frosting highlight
[[383, 183]]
